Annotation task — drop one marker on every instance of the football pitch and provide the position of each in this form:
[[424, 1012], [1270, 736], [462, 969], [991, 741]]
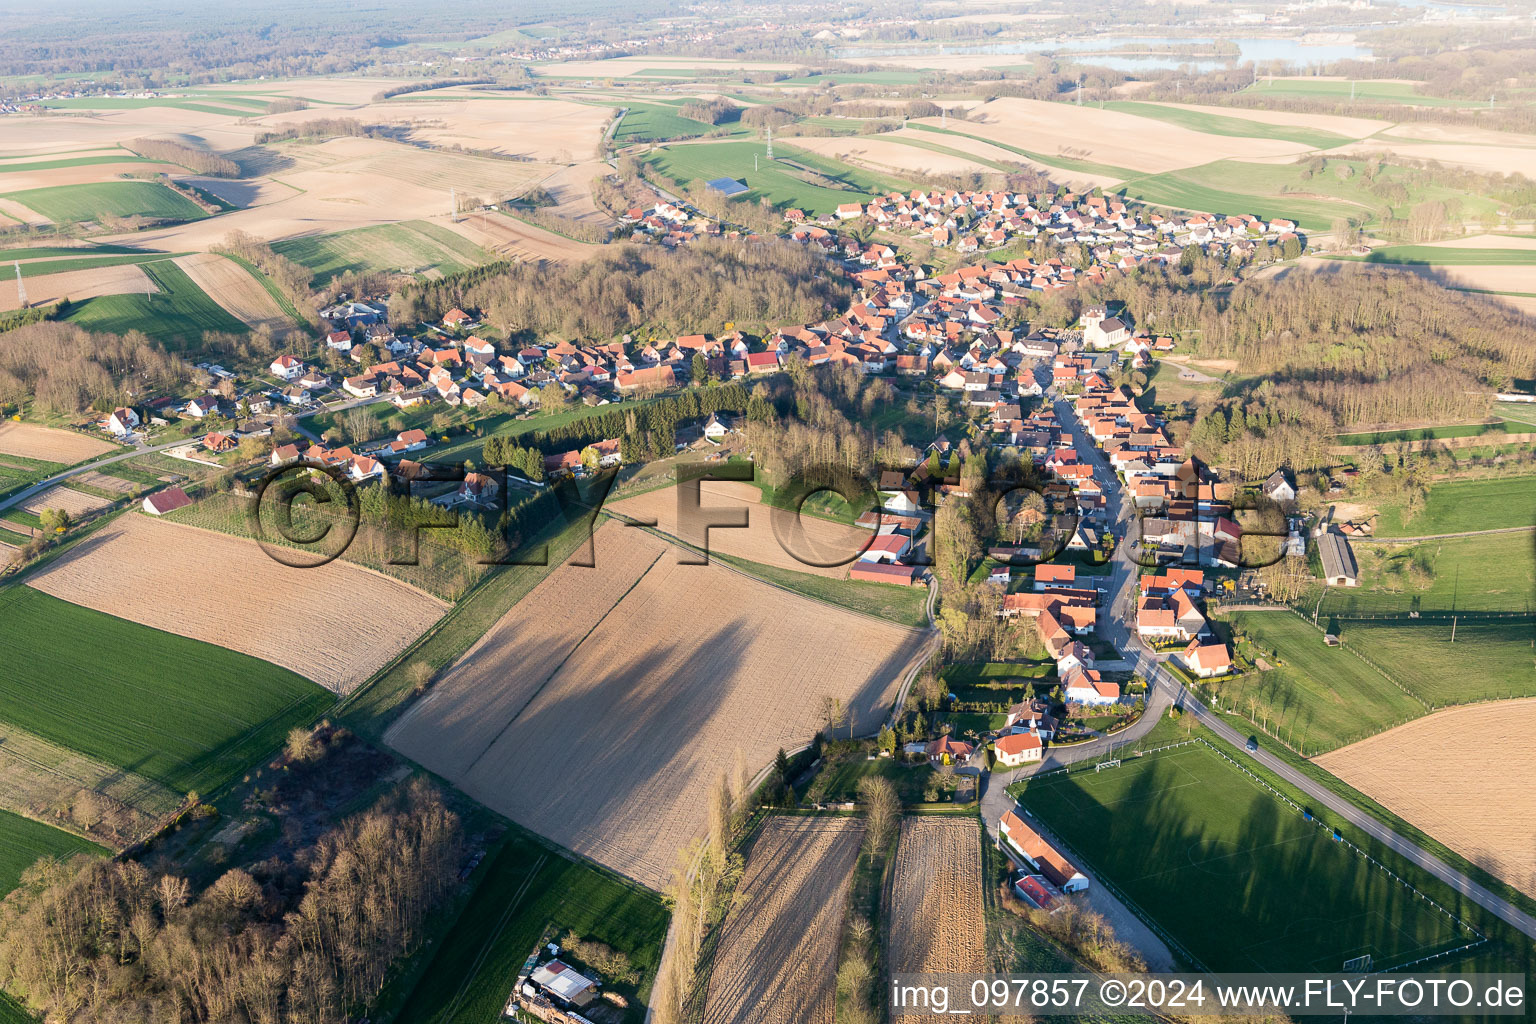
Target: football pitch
[[1231, 872]]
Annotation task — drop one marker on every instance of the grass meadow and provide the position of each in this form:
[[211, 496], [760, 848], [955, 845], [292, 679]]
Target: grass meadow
[[1436, 433], [1315, 697], [411, 245], [1183, 831], [24, 841], [1364, 91], [184, 713], [1493, 572], [653, 122], [781, 184], [1459, 506], [71, 204], [177, 314], [529, 893], [1488, 659]]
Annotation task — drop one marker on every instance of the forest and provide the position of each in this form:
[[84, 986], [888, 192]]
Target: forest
[[667, 291], [69, 370], [307, 939]]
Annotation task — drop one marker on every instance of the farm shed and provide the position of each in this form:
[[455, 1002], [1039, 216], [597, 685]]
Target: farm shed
[[168, 500], [1339, 569], [725, 186]]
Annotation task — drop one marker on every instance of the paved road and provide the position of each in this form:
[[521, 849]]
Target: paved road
[[43, 485]]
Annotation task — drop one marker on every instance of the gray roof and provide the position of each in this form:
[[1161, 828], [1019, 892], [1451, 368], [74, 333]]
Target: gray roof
[[726, 186], [1338, 559]]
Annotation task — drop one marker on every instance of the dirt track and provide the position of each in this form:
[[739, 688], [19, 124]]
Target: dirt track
[[334, 625], [1473, 792], [642, 678], [777, 960]]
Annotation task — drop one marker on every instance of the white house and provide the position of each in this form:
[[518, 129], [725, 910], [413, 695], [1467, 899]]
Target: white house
[[287, 367], [715, 428], [123, 422], [1206, 660], [1279, 488], [1017, 748], [1084, 686]]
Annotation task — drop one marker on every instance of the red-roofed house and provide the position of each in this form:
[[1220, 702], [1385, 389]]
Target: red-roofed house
[[168, 500], [945, 750], [1017, 748], [1206, 660]]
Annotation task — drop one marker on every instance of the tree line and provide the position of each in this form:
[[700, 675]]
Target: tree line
[[277, 942], [200, 161]]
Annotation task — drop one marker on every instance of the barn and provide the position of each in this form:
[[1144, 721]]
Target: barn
[[727, 187]]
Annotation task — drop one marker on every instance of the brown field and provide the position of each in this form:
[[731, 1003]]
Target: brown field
[[777, 958], [1473, 792], [78, 284], [359, 89], [1107, 136], [31, 441], [232, 286], [819, 539], [651, 675], [76, 503], [335, 625], [618, 67], [520, 240], [102, 480], [935, 921], [41, 778], [15, 181], [1511, 278], [1489, 159], [13, 210]]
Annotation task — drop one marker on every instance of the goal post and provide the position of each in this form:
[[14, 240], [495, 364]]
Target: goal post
[[1358, 965]]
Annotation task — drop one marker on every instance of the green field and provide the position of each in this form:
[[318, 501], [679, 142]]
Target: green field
[[773, 180], [905, 605], [1064, 162], [1231, 127], [1283, 190], [12, 1012], [1459, 506], [1365, 91], [859, 78], [1184, 831], [76, 161], [1489, 659], [1419, 434], [37, 252], [528, 892], [411, 245], [71, 204], [1316, 697], [184, 713], [23, 841], [177, 314], [652, 122], [1493, 572], [1446, 256], [92, 261], [207, 103]]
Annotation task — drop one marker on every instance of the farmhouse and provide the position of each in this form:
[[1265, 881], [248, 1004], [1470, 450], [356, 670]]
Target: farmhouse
[[1023, 844], [1339, 569], [883, 572], [1017, 748], [1085, 686]]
